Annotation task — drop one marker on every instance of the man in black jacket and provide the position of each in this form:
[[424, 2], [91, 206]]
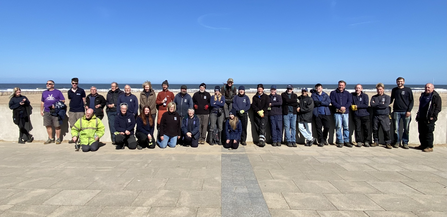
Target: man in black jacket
[[96, 102], [430, 105], [305, 108], [201, 101], [260, 105], [289, 109], [124, 125], [360, 101], [403, 104], [112, 100]]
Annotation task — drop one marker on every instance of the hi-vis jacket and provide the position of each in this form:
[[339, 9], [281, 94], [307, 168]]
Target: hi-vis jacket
[[85, 130]]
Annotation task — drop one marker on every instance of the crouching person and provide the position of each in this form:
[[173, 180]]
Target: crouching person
[[191, 129], [170, 127], [87, 131], [124, 126], [145, 127], [233, 131]]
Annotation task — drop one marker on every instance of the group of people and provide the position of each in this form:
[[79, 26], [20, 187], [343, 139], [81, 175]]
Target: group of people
[[184, 119]]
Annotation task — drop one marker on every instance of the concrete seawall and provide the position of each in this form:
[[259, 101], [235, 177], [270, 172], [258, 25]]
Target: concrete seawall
[[9, 131]]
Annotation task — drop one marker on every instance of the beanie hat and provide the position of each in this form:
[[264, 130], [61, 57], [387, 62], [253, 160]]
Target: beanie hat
[[165, 82], [183, 87], [241, 88], [273, 87], [216, 88], [260, 86], [289, 86], [202, 84]]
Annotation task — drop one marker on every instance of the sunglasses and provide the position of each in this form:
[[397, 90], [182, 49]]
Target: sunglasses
[[50, 84], [74, 83]]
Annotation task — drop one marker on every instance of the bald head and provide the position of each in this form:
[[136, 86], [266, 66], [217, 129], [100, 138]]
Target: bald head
[[429, 88], [127, 89], [89, 113]]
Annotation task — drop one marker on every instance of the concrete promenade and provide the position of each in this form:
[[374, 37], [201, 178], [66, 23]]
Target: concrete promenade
[[54, 180]]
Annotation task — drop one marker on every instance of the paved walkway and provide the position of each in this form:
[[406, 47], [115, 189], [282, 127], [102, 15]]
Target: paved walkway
[[54, 180]]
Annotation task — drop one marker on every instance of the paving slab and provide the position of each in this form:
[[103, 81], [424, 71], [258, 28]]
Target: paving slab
[[124, 211], [113, 198], [342, 214], [157, 198], [308, 201], [29, 210], [75, 211], [352, 202], [72, 197]]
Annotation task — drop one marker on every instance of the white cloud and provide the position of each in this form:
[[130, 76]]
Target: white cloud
[[201, 21]]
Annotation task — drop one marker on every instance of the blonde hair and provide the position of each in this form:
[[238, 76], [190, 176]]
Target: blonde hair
[[170, 105], [14, 92], [233, 122], [147, 83], [380, 85], [218, 96]]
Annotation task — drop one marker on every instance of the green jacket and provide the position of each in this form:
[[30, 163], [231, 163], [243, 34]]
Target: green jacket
[[85, 130]]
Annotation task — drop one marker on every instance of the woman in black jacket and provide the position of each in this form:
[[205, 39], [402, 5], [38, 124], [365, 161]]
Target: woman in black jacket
[[170, 127], [145, 127], [21, 111]]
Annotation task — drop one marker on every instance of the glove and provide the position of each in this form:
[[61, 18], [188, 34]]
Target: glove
[[317, 103], [242, 111], [206, 107], [261, 113], [196, 107]]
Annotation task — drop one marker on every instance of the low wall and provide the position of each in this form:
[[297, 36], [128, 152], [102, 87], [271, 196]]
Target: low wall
[[9, 131]]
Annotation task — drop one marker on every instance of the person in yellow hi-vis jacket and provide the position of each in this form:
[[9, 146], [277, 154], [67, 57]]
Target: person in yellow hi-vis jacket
[[87, 131]]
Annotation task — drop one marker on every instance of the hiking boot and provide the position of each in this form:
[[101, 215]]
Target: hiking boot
[[21, 141], [366, 144], [31, 139], [310, 142], [388, 146], [289, 144], [294, 144], [347, 144], [375, 144], [321, 144], [49, 141], [396, 145], [325, 142], [118, 147], [243, 143], [359, 144], [405, 146], [58, 141], [139, 147], [339, 145], [428, 150], [77, 147]]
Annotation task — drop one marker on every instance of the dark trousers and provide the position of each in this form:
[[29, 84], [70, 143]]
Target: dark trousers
[[244, 122], [260, 125], [276, 127], [232, 144], [143, 141], [190, 141], [24, 134], [322, 121], [426, 133], [384, 121], [129, 140], [92, 147], [362, 125]]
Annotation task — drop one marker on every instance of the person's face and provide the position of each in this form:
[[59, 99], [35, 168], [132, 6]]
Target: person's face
[[242, 92], [89, 113], [165, 86], [260, 90], [146, 88], [93, 91], [304, 93], [380, 90], [123, 110], [319, 89], [358, 89], [231, 116], [230, 84], [273, 91], [172, 108], [184, 91], [341, 86], [202, 88], [127, 89], [74, 84], [289, 90], [50, 85], [191, 113], [429, 88], [113, 87], [400, 82], [146, 111], [216, 92], [18, 92]]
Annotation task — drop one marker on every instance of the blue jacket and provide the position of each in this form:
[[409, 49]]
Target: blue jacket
[[321, 103], [276, 107], [125, 122], [183, 104], [341, 99], [132, 103], [233, 134], [362, 104], [241, 103], [381, 104], [146, 129], [195, 126]]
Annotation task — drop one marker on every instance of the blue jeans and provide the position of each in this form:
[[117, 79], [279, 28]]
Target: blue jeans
[[111, 116], [290, 127], [342, 127], [171, 141], [276, 123], [398, 116], [306, 130]]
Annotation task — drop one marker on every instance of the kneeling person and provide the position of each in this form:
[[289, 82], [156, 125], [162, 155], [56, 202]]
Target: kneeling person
[[233, 130], [191, 129], [145, 127], [124, 126], [87, 130], [170, 127]]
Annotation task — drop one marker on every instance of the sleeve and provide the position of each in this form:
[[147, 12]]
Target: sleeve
[[159, 100], [393, 93], [209, 97], [349, 100], [278, 101], [194, 99], [235, 104], [140, 126], [373, 102], [196, 129], [184, 127], [162, 123], [247, 103], [118, 127], [309, 107], [12, 104], [27, 102], [108, 99], [334, 100], [437, 109], [191, 105], [83, 93], [102, 102], [326, 101], [101, 129], [130, 126], [179, 125], [76, 128], [239, 130], [221, 103], [364, 104], [411, 103], [254, 107], [227, 129]]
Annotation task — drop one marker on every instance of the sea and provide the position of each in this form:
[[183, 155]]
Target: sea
[[249, 88]]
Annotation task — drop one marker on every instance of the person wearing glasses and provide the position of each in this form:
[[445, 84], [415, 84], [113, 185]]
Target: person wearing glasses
[[124, 126], [76, 97], [49, 97]]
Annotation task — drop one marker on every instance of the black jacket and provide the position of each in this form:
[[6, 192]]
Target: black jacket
[[434, 107], [276, 107], [286, 102], [381, 104], [170, 124], [260, 102], [306, 105], [403, 99], [362, 104], [125, 122], [202, 102], [193, 127], [99, 100], [112, 98]]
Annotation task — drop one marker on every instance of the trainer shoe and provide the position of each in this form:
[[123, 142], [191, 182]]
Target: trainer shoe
[[289, 144], [428, 150], [388, 146], [405, 146], [49, 141], [309, 142], [339, 145], [139, 147], [294, 144], [31, 139], [278, 144], [347, 144], [375, 144], [325, 142], [77, 147], [359, 144], [396, 145], [243, 143], [58, 141], [321, 144], [366, 144]]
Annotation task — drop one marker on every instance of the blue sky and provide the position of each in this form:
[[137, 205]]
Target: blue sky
[[188, 41]]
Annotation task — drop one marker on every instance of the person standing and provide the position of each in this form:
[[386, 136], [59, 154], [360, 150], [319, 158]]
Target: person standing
[[341, 100], [430, 105], [289, 110], [49, 97], [403, 104], [217, 116], [145, 129], [233, 131], [170, 127], [201, 100], [112, 104], [21, 111], [76, 96], [241, 104], [148, 99], [96, 102], [380, 104], [275, 114], [124, 125], [304, 116], [190, 129], [183, 101], [321, 114], [130, 99], [164, 97], [87, 131], [228, 90], [359, 107], [260, 105]]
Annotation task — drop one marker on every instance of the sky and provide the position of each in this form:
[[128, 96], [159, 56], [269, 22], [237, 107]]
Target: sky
[[189, 41]]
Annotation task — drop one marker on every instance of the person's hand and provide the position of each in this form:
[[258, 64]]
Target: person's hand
[[96, 138], [127, 132], [298, 109], [343, 109], [270, 104], [149, 137], [21, 103], [228, 141], [234, 141], [407, 114], [121, 133], [97, 106], [196, 107], [161, 138], [189, 134], [41, 113], [431, 118], [178, 137], [74, 138], [206, 107]]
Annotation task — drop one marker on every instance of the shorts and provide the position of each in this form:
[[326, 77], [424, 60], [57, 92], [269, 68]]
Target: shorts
[[50, 121], [73, 117]]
